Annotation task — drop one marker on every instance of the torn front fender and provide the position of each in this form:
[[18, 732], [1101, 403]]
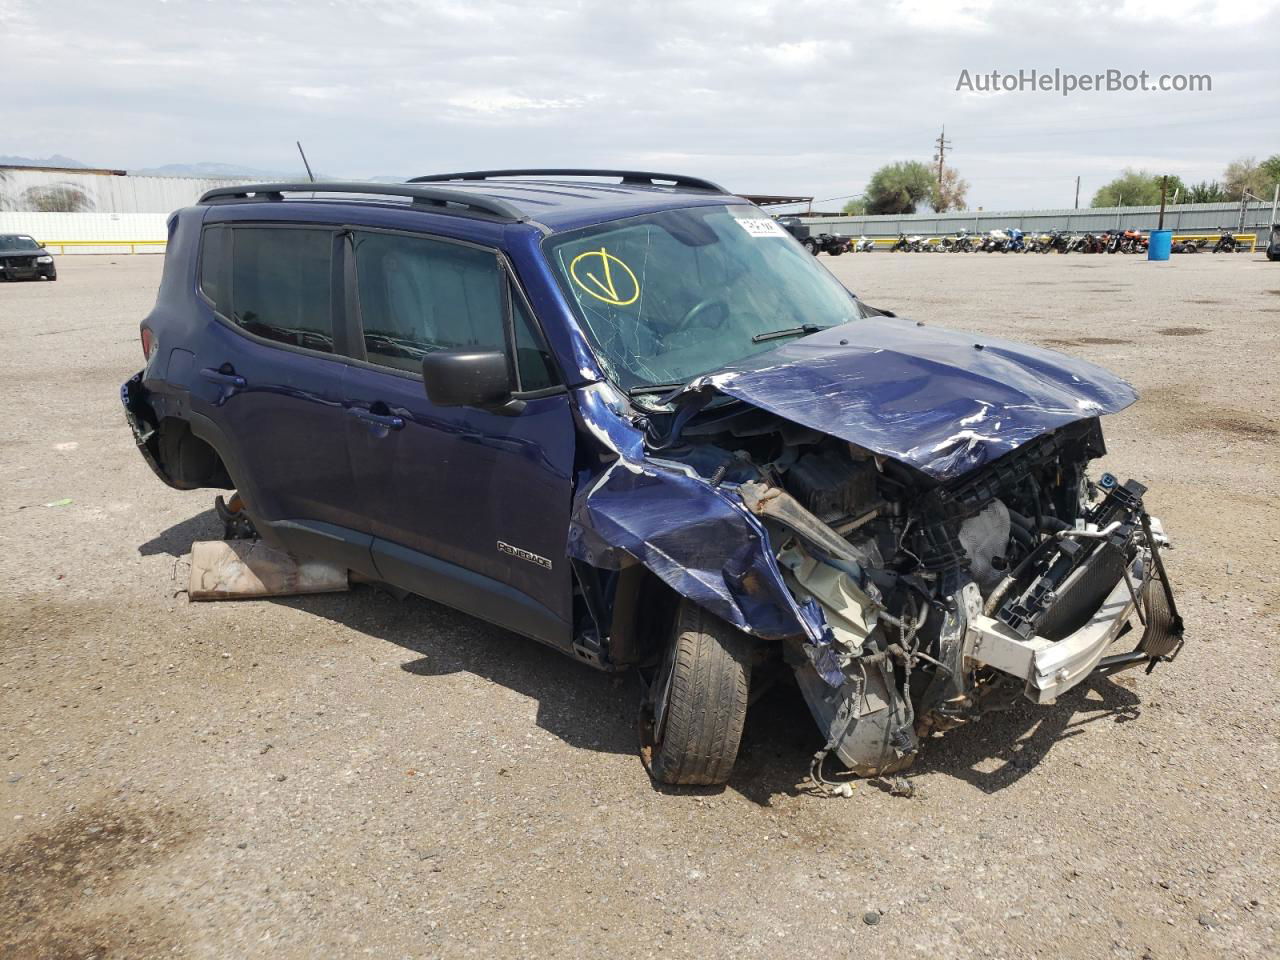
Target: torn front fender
[[698, 539]]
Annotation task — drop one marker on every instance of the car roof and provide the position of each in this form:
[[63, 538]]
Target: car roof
[[557, 200]]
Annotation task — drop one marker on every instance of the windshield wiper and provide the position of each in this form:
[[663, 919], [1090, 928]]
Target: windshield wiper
[[804, 328], [655, 388]]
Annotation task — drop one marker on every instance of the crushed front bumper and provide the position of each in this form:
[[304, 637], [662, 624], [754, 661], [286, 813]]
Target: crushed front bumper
[[1049, 668]]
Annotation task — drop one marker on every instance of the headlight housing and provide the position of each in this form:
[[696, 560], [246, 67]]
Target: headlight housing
[[45, 259]]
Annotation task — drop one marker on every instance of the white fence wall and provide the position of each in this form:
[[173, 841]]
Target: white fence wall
[[91, 232]]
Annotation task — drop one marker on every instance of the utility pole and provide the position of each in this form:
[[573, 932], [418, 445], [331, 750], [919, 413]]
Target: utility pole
[[942, 143], [1077, 192]]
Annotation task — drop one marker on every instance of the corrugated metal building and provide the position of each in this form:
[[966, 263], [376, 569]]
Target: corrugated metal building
[[95, 211], [50, 189]]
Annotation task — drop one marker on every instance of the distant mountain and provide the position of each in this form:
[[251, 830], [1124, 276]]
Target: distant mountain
[[57, 160], [216, 171]]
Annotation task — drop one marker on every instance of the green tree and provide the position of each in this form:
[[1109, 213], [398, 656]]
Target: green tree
[[1135, 188], [1206, 191], [1247, 174], [1271, 167], [899, 187], [950, 193], [856, 207]]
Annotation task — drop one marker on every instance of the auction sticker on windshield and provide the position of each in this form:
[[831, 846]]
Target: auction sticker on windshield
[[761, 226]]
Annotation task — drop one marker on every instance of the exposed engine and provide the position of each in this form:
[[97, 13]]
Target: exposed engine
[[943, 600]]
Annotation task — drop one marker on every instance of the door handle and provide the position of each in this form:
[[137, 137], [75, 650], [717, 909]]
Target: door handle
[[382, 420], [223, 379]]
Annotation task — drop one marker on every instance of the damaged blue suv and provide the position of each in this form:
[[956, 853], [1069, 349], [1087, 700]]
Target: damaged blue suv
[[628, 415]]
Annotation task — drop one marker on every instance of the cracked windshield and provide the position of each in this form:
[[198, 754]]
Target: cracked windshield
[[669, 296]]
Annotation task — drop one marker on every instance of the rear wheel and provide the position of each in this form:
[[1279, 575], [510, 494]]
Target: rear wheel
[[692, 719]]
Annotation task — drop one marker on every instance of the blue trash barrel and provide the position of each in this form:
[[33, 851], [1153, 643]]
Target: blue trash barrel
[[1161, 242]]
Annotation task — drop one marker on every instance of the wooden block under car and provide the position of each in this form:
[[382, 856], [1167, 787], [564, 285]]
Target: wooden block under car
[[237, 569]]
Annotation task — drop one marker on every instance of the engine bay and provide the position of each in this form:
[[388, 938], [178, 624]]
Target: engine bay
[[938, 596]]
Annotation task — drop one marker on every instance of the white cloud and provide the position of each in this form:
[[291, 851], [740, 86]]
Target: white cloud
[[803, 96]]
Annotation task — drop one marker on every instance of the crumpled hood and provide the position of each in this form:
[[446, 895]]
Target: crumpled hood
[[942, 401]]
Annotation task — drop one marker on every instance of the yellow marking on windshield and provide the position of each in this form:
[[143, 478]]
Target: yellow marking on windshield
[[607, 287]]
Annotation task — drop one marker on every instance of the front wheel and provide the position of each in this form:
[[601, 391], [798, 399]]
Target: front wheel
[[692, 719]]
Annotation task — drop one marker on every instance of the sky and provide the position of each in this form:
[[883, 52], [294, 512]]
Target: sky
[[790, 97]]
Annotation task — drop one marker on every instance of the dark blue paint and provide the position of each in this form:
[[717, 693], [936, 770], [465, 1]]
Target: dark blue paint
[[359, 461], [699, 540], [942, 401]]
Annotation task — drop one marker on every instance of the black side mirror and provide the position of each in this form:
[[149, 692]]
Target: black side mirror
[[466, 378]]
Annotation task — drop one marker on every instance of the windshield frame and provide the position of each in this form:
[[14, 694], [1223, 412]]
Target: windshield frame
[[650, 391]]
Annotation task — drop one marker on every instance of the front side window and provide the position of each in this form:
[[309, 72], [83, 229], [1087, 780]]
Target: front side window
[[667, 296], [418, 295], [281, 285]]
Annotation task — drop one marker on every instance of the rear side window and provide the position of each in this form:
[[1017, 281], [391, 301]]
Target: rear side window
[[418, 295], [281, 285]]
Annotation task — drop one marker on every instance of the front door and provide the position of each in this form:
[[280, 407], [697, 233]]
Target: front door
[[467, 506]]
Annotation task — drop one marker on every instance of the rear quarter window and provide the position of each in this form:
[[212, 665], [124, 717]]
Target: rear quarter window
[[213, 267]]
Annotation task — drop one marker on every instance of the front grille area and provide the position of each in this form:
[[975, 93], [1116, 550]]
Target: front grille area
[[20, 263]]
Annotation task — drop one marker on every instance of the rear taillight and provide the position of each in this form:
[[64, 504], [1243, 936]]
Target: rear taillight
[[149, 344]]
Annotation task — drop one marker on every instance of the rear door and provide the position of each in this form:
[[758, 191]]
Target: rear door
[[273, 374], [467, 506]]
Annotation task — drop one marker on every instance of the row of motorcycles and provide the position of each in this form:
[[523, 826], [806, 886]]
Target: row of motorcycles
[[1055, 241]]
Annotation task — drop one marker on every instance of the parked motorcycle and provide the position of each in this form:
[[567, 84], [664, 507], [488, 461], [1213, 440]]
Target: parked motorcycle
[[902, 243], [996, 240], [917, 244], [1273, 248], [1058, 242], [1187, 246], [1227, 242], [1038, 243], [1017, 242], [1093, 243], [864, 245], [1133, 241]]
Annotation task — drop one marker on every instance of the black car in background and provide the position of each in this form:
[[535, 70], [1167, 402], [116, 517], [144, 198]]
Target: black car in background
[[822, 243], [22, 258]]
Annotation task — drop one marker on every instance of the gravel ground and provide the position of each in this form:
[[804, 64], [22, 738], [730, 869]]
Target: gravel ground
[[354, 775]]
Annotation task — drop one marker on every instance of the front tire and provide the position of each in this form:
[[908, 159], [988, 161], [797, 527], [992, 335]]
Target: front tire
[[693, 717]]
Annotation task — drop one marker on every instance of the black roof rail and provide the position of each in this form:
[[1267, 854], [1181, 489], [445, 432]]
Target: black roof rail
[[440, 199], [628, 176]]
